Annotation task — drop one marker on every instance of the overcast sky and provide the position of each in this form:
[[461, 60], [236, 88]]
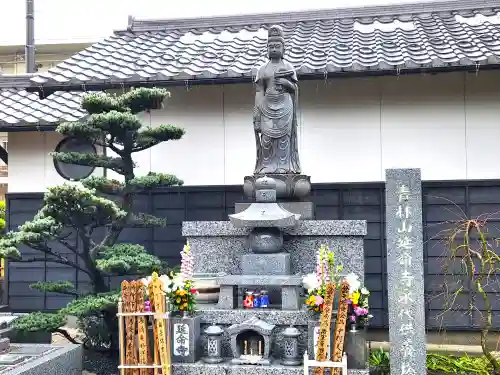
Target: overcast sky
[[59, 21]]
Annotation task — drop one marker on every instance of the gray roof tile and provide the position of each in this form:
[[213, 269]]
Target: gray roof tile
[[19, 108], [424, 35], [384, 38]]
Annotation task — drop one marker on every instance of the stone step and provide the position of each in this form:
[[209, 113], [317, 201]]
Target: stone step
[[271, 316], [260, 280], [226, 368]]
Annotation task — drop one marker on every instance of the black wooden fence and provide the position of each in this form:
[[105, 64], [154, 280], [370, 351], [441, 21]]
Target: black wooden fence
[[443, 201]]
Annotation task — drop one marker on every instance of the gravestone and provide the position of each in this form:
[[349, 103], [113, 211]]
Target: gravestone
[[405, 271]]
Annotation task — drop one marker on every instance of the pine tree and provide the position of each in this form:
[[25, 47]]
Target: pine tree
[[85, 219]]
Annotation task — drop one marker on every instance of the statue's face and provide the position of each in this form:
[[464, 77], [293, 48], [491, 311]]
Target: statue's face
[[275, 50]]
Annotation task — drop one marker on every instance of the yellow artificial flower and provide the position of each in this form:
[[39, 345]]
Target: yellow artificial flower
[[355, 297]]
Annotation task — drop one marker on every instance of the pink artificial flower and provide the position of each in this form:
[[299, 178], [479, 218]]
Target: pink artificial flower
[[353, 318], [318, 300]]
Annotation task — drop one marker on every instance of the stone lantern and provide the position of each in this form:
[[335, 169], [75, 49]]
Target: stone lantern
[[291, 347], [214, 338]]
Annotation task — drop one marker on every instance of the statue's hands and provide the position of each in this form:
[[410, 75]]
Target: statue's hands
[[285, 83], [256, 119], [256, 125]]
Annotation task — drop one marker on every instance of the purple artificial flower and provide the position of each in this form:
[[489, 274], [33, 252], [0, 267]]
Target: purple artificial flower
[[353, 318], [147, 306], [318, 300]]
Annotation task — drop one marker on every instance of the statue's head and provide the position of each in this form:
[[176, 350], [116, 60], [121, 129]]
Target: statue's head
[[275, 42]]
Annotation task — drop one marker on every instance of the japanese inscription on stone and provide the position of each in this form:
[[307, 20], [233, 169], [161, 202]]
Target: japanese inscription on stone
[[405, 271]]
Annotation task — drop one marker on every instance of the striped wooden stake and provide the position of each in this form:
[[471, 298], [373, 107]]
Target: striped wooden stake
[[339, 336], [156, 353], [159, 302], [142, 330], [128, 307], [324, 327]]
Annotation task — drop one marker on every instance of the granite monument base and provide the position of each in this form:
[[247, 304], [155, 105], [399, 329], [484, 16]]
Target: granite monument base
[[42, 359], [218, 246], [282, 319]]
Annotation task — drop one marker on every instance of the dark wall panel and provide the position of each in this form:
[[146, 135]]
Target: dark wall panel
[[443, 202]]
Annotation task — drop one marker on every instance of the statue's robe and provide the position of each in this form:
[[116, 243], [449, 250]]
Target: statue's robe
[[276, 118]]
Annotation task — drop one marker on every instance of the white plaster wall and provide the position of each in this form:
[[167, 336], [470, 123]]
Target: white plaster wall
[[350, 130], [31, 168]]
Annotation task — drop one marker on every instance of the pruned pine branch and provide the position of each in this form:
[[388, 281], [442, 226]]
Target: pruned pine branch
[[104, 185], [92, 160], [154, 180], [81, 130], [144, 99], [122, 259], [102, 102], [151, 136], [146, 220], [61, 287]]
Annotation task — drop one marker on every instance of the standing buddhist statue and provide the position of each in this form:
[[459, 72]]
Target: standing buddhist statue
[[275, 112]]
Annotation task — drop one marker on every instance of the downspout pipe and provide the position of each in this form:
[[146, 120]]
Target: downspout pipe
[[29, 49]]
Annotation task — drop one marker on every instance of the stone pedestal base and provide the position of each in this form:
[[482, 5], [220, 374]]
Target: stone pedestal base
[[288, 186], [304, 209], [265, 264], [356, 349], [185, 336], [290, 289], [218, 246]]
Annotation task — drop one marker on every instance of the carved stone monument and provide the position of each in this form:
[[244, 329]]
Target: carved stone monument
[[405, 270], [275, 124], [268, 245]]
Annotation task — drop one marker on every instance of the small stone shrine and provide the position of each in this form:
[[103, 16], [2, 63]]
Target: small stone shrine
[[260, 255]]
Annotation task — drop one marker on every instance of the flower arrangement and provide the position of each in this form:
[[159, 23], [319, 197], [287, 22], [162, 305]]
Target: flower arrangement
[[178, 286], [358, 301], [181, 293], [315, 283]]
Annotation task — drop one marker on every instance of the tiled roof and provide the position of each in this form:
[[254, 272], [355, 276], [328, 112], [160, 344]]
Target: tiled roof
[[19, 108], [382, 39]]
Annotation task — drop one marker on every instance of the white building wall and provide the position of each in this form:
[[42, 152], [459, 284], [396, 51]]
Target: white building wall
[[351, 130]]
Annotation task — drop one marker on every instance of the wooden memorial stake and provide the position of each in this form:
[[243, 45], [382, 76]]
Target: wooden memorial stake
[[128, 307], [142, 331], [324, 327], [159, 301], [339, 335], [156, 353]]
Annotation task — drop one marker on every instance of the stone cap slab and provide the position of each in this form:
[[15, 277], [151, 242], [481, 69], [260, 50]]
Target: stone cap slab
[[259, 280], [304, 228], [272, 316]]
